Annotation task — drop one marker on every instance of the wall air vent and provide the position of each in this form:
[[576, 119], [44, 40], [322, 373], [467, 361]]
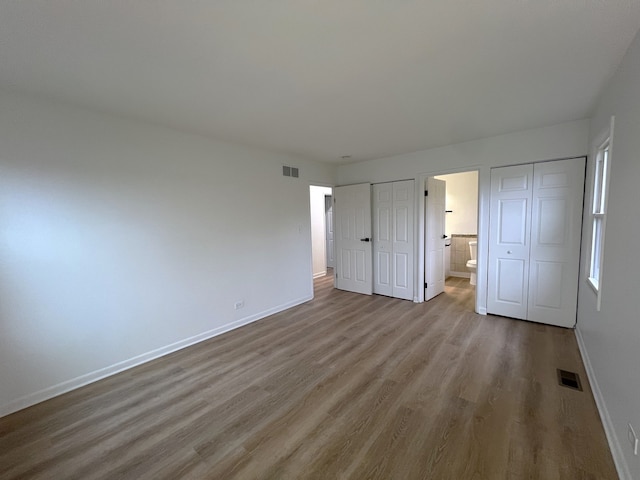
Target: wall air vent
[[288, 171]]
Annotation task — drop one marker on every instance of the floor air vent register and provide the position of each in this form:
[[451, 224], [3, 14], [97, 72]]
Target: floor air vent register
[[569, 379]]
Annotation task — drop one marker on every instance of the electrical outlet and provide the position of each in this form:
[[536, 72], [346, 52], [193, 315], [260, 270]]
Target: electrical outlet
[[238, 305], [633, 439]]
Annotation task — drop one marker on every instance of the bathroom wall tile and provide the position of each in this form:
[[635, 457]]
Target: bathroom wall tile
[[460, 253]]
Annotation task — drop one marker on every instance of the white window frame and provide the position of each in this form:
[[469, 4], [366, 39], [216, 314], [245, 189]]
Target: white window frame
[[602, 148]]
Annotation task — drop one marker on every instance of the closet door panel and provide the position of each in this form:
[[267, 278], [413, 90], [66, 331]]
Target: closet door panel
[[401, 281], [509, 246], [393, 242], [383, 239], [403, 241], [510, 277], [555, 241]]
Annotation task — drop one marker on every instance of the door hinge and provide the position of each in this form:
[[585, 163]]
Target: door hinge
[[425, 284], [426, 193]]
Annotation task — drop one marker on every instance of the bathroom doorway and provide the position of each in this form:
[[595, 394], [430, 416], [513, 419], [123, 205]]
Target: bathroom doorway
[[460, 231]]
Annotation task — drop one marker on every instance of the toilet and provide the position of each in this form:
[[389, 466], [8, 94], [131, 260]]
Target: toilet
[[473, 263]]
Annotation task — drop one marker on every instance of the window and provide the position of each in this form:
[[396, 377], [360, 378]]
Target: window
[[602, 154]]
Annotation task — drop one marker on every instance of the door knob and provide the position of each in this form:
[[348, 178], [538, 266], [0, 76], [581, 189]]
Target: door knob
[[367, 239]]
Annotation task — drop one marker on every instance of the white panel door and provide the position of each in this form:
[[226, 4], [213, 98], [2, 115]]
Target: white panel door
[[509, 246], [556, 224], [434, 238], [352, 212], [328, 209], [403, 243], [393, 239], [382, 239]]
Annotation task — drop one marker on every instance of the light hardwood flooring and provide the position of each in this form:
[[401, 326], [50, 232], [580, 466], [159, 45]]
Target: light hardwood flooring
[[344, 386]]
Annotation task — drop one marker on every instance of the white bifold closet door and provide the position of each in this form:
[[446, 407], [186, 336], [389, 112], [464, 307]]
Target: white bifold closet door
[[534, 241], [393, 239]]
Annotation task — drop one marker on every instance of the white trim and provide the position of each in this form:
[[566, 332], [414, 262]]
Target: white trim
[[320, 274], [604, 137], [482, 253], [614, 445], [91, 377], [418, 234], [460, 274]]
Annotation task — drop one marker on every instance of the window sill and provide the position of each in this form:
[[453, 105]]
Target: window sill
[[593, 283]]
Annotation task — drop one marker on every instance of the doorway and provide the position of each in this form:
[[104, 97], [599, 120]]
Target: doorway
[[321, 211], [449, 251]]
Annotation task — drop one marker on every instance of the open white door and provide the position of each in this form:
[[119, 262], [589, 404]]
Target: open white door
[[328, 209], [352, 213], [435, 199]]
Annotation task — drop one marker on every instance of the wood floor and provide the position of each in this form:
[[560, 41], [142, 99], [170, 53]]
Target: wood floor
[[345, 386]]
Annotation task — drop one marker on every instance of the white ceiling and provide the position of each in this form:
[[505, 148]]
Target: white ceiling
[[322, 79]]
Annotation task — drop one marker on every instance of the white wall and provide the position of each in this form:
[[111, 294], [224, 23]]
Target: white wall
[[121, 241], [548, 143], [318, 232], [611, 337], [462, 200]]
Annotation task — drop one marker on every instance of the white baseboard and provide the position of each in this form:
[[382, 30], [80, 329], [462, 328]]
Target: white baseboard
[[460, 274], [320, 274], [614, 445], [91, 377]]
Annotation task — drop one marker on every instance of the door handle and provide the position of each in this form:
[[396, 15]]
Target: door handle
[[367, 239]]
